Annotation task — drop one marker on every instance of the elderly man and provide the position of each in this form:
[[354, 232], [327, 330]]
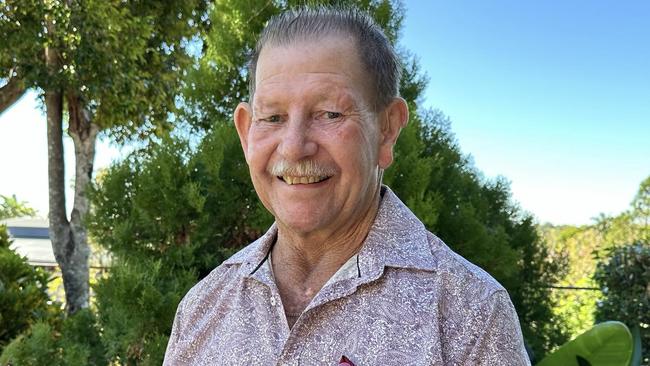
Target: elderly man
[[347, 274]]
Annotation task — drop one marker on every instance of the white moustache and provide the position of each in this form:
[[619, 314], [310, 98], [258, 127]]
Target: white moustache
[[303, 168]]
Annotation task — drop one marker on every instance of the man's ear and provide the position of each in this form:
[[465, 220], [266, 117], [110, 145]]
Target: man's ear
[[243, 118], [393, 119]]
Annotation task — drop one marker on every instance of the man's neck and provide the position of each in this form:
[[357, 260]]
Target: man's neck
[[303, 264], [311, 254]]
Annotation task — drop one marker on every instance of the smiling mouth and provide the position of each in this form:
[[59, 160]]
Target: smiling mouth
[[291, 180]]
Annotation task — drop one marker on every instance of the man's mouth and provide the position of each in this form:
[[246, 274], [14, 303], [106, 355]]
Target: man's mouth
[[291, 180]]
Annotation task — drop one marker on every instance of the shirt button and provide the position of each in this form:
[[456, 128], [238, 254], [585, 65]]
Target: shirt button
[[273, 301]]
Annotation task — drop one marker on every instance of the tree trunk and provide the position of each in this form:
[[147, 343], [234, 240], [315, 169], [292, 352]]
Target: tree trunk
[[71, 257], [69, 237], [84, 136]]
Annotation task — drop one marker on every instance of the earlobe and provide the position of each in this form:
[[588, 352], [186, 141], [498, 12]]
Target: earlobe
[[243, 117], [395, 117]]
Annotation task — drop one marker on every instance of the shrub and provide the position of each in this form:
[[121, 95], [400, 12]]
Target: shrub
[[137, 304], [23, 292], [624, 278], [75, 341]]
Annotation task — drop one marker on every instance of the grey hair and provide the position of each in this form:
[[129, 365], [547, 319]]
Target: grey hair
[[375, 50]]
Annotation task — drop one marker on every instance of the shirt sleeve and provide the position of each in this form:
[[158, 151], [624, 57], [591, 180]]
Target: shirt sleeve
[[501, 341], [170, 353]]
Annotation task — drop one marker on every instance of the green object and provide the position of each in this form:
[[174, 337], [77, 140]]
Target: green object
[[23, 292], [624, 275], [638, 348], [606, 344]]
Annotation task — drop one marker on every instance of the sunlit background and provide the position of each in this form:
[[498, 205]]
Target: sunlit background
[[554, 96]]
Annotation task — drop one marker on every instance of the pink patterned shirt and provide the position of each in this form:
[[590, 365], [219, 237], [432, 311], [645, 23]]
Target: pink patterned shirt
[[405, 299]]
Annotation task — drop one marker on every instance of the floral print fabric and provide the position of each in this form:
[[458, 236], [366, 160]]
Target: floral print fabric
[[405, 299]]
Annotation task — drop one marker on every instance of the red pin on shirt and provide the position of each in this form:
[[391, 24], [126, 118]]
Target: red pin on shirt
[[345, 362]]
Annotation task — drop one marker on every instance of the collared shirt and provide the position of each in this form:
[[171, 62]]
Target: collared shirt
[[404, 299]]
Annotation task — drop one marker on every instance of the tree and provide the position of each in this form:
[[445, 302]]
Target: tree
[[575, 248], [623, 273], [11, 207], [641, 209], [590, 252], [110, 66], [624, 278]]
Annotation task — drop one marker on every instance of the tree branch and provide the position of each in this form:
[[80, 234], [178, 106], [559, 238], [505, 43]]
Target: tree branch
[[11, 92]]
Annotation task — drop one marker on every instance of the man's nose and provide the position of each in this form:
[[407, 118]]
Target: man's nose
[[297, 143]]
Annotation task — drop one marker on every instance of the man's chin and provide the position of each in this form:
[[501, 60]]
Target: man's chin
[[303, 225]]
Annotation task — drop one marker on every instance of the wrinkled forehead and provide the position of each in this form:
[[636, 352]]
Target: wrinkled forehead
[[333, 56], [323, 93]]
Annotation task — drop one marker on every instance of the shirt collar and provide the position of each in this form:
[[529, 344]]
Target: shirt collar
[[397, 239], [254, 255]]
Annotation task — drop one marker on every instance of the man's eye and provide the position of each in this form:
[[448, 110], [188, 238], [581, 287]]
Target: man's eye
[[274, 118], [333, 115]]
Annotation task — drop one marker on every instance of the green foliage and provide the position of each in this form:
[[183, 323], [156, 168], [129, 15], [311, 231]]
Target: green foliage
[[586, 248], [124, 60], [38, 348], [606, 344], [641, 210], [80, 340], [219, 81], [169, 214], [75, 341], [136, 307], [163, 203], [578, 248], [624, 279], [23, 296], [630, 226], [11, 207]]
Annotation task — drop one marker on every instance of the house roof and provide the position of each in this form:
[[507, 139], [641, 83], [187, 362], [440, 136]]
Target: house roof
[[31, 238]]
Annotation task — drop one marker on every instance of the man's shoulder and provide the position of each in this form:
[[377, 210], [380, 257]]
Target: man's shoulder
[[460, 276], [476, 313]]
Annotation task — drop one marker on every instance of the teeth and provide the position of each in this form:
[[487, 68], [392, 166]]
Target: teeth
[[302, 180]]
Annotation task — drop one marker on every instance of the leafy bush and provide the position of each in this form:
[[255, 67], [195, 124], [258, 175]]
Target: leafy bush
[[11, 207], [137, 304], [75, 341], [169, 215], [34, 348], [625, 281], [23, 292]]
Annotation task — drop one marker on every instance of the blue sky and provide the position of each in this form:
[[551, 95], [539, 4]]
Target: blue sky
[[553, 95]]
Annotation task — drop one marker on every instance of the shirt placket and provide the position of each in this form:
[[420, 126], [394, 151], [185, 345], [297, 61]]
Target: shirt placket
[[276, 317], [343, 284]]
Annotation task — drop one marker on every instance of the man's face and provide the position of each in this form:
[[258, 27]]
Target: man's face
[[313, 144]]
